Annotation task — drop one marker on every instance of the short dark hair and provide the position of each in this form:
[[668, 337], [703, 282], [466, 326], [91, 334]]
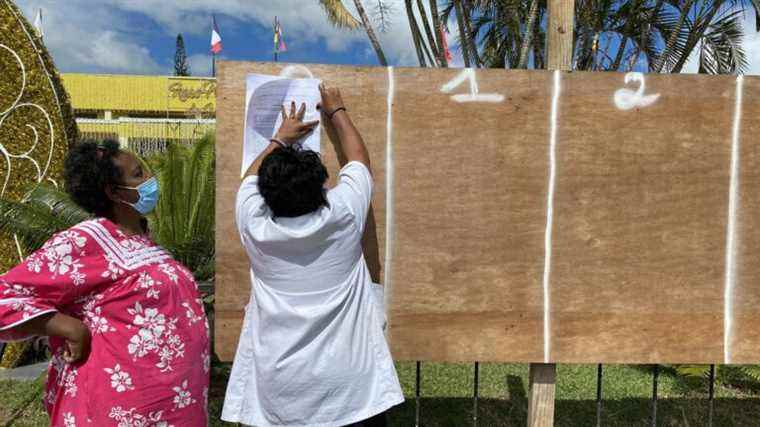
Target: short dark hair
[[89, 167], [292, 182]]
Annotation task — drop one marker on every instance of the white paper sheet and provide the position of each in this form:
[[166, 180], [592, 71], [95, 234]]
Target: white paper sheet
[[264, 97]]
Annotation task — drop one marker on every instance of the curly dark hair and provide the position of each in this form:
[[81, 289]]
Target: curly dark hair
[[88, 169], [291, 182]]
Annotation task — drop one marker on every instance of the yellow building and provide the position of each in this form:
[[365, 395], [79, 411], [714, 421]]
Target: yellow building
[[142, 112]]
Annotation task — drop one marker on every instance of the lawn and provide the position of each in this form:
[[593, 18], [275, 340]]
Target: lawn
[[447, 397]]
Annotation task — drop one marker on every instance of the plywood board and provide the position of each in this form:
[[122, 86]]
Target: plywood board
[[540, 216]]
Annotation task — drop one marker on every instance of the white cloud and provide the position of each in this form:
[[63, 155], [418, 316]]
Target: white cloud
[[97, 35], [86, 37], [303, 21]]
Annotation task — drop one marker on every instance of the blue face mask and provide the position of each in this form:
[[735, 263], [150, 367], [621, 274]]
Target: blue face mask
[[148, 192]]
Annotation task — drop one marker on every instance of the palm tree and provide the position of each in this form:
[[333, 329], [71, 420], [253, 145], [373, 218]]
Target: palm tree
[[184, 219], [431, 52], [528, 35], [719, 32], [502, 25], [438, 28], [713, 27], [419, 44], [613, 35], [340, 17]]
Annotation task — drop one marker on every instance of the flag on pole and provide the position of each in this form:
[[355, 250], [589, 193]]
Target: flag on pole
[[216, 38], [38, 23], [279, 41], [445, 46]]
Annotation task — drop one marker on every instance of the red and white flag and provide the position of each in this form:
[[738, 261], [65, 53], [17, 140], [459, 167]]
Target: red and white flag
[[445, 46], [216, 38]]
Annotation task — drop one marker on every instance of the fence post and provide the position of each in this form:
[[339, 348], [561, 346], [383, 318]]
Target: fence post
[[543, 377]]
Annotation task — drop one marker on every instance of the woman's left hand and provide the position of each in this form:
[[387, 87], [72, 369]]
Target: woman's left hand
[[293, 128]]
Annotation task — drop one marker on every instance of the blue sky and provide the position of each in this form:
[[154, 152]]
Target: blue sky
[[138, 36]]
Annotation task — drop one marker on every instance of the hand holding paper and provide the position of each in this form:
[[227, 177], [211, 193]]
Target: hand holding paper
[[293, 128], [265, 97]]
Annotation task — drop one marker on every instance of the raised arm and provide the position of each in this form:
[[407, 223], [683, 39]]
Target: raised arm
[[339, 122]]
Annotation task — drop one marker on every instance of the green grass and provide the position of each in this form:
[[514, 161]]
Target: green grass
[[447, 390], [26, 398]]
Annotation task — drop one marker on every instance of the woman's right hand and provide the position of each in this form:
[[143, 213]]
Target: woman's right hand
[[331, 99], [77, 336], [78, 344], [72, 330]]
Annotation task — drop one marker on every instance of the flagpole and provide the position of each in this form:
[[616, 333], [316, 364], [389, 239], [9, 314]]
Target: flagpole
[[213, 64], [275, 39]]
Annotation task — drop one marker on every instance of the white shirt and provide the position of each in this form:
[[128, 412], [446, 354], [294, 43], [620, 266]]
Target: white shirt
[[312, 350]]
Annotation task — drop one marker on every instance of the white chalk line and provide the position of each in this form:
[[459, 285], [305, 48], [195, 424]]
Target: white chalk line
[[550, 213], [388, 201], [733, 202]]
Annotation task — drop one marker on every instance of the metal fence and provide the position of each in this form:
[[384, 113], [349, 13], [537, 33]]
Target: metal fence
[[599, 402]]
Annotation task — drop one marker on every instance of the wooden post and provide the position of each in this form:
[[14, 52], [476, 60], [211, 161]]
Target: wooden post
[[559, 44], [559, 35], [543, 378]]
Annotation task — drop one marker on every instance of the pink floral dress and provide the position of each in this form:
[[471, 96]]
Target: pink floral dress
[[149, 364]]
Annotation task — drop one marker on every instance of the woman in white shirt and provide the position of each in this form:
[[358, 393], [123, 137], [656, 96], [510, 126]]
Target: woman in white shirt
[[312, 350]]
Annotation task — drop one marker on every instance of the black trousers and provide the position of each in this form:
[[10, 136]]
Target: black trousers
[[376, 421]]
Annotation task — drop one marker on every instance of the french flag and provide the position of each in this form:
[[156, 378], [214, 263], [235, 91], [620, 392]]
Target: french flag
[[216, 39]]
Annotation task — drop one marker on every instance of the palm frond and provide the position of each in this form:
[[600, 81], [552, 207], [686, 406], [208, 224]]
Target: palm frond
[[44, 211], [338, 15], [697, 371], [721, 51], [751, 371], [58, 202], [184, 219], [383, 15], [33, 225]]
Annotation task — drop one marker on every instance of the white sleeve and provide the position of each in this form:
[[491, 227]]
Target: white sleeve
[[355, 190], [249, 204]]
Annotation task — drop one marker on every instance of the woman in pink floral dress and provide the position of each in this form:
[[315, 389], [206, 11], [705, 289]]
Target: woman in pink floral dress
[[127, 329]]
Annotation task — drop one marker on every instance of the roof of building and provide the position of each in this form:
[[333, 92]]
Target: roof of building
[[134, 94]]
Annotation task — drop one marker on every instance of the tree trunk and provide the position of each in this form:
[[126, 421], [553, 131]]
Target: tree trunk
[[620, 52], [538, 54], [528, 37], [430, 36], [594, 51], [468, 28], [673, 36], [371, 33], [462, 33], [645, 36], [416, 36], [438, 29]]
